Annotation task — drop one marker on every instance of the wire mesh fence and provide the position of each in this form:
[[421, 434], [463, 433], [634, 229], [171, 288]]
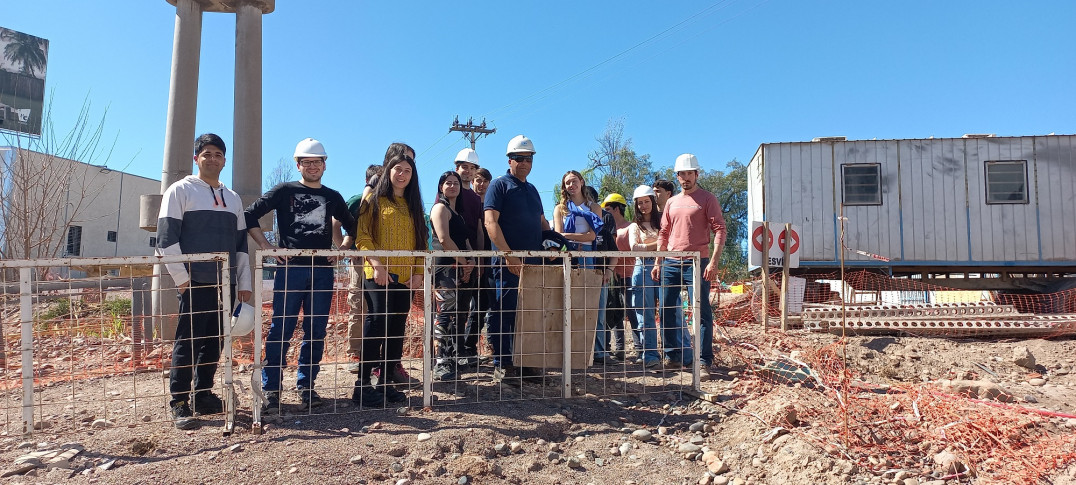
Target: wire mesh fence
[[87, 352], [427, 329]]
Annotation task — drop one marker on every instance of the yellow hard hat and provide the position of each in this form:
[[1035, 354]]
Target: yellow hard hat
[[614, 198]]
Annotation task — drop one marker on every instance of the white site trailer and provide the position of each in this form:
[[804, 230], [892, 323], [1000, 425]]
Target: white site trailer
[[981, 204]]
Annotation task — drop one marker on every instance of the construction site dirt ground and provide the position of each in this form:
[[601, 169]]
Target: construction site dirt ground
[[786, 408]]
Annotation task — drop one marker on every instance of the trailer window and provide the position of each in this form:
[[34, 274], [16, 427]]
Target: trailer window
[[1006, 182], [862, 183]]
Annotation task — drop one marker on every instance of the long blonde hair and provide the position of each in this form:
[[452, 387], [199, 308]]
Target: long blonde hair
[[564, 197]]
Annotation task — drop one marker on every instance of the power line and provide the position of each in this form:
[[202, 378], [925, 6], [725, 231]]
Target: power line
[[471, 132], [608, 60]]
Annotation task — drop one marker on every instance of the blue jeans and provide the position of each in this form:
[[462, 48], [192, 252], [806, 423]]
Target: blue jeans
[[644, 297], [629, 312], [674, 276], [502, 322], [309, 288], [601, 347]]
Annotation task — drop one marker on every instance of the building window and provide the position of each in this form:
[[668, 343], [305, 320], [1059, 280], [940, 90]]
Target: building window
[[862, 183], [111, 236], [153, 241], [1006, 182], [74, 241]]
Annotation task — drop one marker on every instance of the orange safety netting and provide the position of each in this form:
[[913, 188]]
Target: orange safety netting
[[896, 425]]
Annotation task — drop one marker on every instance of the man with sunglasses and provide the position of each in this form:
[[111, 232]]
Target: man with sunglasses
[[514, 220], [304, 213]]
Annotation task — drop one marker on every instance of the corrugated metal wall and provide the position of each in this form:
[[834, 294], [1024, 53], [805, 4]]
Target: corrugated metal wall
[[933, 209], [799, 189], [1001, 232], [872, 228], [1055, 176]]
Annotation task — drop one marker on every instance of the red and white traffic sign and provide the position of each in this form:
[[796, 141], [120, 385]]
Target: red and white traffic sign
[[795, 237], [756, 238], [762, 242]]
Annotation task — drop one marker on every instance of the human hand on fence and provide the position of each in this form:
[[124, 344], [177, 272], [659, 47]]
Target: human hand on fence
[[515, 265], [244, 295], [279, 259], [182, 288], [655, 272]]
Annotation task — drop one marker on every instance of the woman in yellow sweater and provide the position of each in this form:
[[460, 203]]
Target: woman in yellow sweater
[[390, 218]]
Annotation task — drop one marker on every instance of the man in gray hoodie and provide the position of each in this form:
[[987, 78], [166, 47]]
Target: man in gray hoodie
[[200, 215]]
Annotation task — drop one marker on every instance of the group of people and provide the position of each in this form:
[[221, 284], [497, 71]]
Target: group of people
[[642, 289], [473, 211]]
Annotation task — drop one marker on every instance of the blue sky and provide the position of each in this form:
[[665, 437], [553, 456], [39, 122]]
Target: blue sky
[[711, 78]]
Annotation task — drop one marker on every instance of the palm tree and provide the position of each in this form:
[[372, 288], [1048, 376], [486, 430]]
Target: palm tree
[[25, 49]]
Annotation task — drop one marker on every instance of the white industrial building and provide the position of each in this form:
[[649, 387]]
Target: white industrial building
[[41, 193], [977, 204]]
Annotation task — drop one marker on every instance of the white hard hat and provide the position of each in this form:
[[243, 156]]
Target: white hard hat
[[242, 320], [643, 191], [467, 155], [520, 144], [686, 162], [310, 147]]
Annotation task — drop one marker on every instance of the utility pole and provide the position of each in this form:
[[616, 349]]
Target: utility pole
[[470, 130]]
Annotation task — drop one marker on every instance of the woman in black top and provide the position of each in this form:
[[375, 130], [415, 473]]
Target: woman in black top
[[450, 232]]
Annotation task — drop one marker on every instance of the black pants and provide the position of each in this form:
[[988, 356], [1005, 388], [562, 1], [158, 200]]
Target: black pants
[[478, 317], [198, 340], [383, 330], [453, 305], [614, 314]]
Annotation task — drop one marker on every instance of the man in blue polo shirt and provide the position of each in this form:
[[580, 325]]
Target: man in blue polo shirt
[[520, 229]]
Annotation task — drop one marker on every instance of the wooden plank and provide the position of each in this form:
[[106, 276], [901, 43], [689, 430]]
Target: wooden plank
[[784, 280], [539, 333], [765, 276]]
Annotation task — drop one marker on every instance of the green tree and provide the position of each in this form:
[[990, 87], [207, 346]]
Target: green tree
[[25, 50], [615, 166]]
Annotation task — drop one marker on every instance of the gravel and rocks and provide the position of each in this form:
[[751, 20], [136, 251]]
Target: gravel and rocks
[[743, 431]]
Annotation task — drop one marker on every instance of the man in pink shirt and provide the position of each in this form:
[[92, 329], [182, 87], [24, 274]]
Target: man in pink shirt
[[686, 224]]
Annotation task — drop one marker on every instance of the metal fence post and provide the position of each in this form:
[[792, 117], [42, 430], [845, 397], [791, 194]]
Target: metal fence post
[[26, 310], [255, 377], [696, 326], [566, 262], [427, 331], [226, 306]]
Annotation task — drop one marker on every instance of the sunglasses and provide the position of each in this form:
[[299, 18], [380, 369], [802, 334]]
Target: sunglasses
[[522, 158]]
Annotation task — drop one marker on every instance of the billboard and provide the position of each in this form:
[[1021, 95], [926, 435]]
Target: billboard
[[22, 81]]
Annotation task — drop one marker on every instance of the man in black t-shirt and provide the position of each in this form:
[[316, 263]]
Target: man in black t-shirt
[[469, 205], [304, 213]]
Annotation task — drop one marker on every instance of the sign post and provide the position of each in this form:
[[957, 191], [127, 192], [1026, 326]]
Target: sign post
[[762, 245], [784, 274], [767, 239], [764, 253]]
